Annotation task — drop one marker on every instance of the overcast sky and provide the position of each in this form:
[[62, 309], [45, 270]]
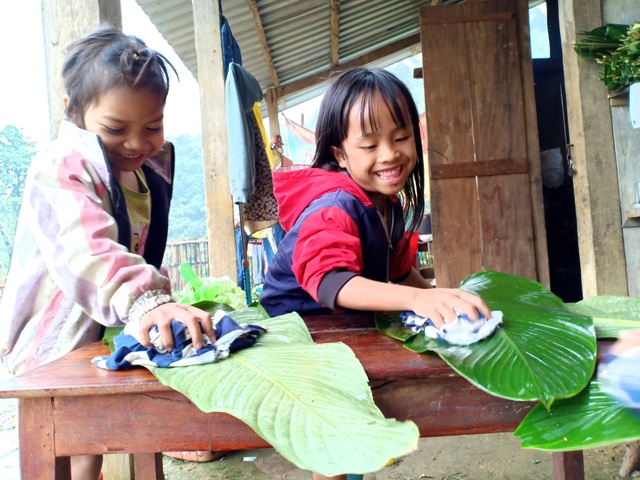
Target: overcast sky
[[23, 95]]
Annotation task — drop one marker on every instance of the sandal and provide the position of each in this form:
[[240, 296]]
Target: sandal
[[202, 456]]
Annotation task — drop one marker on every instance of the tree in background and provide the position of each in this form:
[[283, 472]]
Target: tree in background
[[187, 217], [16, 152]]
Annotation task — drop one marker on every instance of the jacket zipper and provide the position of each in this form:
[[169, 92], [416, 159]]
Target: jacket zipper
[[386, 232]]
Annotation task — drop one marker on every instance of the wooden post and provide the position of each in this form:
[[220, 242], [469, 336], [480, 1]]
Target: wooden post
[[595, 180], [533, 148], [271, 98], [219, 204], [62, 23]]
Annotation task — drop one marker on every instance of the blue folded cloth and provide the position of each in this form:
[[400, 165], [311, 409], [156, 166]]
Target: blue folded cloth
[[461, 331], [619, 377], [129, 352]]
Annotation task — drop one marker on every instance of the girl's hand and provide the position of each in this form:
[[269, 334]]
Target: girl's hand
[[441, 304], [162, 315], [628, 340]]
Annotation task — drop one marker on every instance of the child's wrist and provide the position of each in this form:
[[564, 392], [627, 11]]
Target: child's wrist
[[147, 302]]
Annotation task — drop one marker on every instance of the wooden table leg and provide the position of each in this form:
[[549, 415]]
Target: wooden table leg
[[148, 466], [37, 442], [568, 465]]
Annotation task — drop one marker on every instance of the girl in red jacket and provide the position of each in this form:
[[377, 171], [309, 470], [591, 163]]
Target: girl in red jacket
[[346, 246]]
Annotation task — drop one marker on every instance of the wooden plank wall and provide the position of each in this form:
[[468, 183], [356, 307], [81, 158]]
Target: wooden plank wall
[[482, 142]]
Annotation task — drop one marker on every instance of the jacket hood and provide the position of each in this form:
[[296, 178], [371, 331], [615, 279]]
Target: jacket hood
[[296, 189]]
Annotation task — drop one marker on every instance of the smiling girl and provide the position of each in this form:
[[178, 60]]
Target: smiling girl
[[346, 246], [93, 224]]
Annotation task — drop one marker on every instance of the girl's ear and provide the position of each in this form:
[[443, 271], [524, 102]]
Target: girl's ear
[[72, 113], [339, 155]]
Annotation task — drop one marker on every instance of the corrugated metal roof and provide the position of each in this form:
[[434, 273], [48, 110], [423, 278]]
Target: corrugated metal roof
[[298, 35]]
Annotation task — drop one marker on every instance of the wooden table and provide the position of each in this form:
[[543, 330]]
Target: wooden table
[[69, 407]]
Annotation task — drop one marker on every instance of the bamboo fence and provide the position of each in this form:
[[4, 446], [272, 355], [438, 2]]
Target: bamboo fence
[[192, 252]]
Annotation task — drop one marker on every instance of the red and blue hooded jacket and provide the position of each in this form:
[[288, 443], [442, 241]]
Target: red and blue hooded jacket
[[334, 232]]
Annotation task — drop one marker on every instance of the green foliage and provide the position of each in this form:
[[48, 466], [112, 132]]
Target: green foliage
[[542, 351], [187, 218], [310, 401], [611, 314], [546, 349], [600, 41], [590, 419], [617, 49], [16, 152], [221, 290]]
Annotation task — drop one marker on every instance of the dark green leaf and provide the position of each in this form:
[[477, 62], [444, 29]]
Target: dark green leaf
[[611, 314], [541, 352], [590, 419], [391, 325]]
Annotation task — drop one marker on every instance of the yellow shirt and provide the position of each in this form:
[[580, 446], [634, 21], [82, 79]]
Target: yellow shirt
[[139, 209]]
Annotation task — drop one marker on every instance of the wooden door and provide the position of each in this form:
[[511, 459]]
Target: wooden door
[[486, 196]]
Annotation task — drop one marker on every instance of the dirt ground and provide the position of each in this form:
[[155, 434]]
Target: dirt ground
[[472, 457]]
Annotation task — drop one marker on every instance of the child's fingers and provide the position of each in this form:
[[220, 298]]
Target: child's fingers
[[193, 324], [474, 304], [437, 317], [143, 336], [452, 301], [203, 319]]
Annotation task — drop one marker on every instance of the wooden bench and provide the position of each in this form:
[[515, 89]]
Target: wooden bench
[[69, 407]]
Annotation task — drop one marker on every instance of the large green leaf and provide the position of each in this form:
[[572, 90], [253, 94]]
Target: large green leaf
[[611, 314], [310, 401], [590, 419], [541, 352]]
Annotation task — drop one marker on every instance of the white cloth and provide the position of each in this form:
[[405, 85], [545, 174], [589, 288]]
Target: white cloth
[[460, 332]]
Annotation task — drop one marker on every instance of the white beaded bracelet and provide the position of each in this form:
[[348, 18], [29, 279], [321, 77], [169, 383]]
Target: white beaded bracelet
[[147, 302]]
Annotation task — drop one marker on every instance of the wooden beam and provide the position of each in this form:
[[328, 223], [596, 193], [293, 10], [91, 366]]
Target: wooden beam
[[262, 39], [533, 147], [272, 110], [110, 11], [335, 32], [219, 205], [264, 45], [375, 55], [63, 23], [595, 181]]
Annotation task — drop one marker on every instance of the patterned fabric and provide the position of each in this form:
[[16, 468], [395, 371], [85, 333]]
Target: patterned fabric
[[242, 91], [619, 377], [249, 168], [460, 332], [261, 210], [129, 352], [72, 271]]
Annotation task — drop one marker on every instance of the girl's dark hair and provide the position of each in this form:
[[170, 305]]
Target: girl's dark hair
[[358, 86], [108, 58]]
